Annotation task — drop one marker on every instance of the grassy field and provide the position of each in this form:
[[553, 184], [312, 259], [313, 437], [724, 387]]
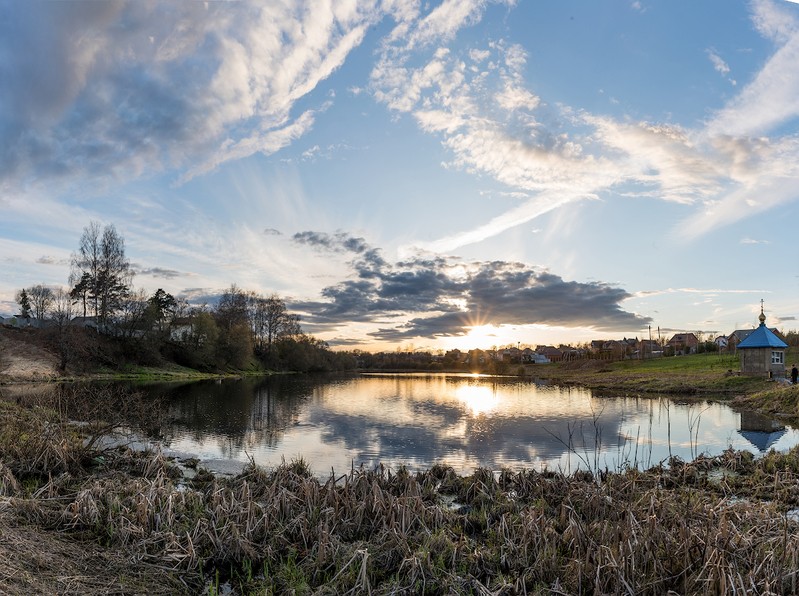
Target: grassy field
[[685, 375]]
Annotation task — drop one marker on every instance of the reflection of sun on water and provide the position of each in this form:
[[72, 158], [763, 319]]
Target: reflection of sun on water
[[479, 400]]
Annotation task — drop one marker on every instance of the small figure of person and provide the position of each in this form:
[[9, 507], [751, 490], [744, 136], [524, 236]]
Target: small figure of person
[[794, 374]]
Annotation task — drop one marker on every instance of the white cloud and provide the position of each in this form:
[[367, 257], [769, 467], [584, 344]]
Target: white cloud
[[494, 125], [266, 142], [774, 20], [114, 90], [527, 211], [311, 153], [445, 20], [767, 102], [199, 85], [720, 65], [479, 55]]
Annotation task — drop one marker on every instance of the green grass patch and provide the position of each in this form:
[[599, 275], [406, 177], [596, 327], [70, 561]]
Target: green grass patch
[[686, 375]]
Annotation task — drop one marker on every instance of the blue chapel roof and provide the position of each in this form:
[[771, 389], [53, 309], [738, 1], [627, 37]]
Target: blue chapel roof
[[762, 337]]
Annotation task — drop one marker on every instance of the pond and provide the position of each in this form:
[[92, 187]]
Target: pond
[[465, 421]]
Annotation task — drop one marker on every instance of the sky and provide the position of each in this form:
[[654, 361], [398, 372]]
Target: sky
[[415, 175]]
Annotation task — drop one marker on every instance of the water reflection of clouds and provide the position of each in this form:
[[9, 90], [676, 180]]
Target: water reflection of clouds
[[458, 438], [464, 422]]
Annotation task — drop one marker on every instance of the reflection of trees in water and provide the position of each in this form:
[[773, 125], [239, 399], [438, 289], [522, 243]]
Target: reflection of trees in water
[[236, 414]]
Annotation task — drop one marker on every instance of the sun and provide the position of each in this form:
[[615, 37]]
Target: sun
[[481, 337], [484, 336]]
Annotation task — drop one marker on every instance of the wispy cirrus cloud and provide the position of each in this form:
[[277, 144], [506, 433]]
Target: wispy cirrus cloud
[[493, 125], [490, 123], [772, 97], [720, 65], [118, 89]]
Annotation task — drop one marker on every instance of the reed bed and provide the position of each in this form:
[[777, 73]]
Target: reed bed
[[711, 526]]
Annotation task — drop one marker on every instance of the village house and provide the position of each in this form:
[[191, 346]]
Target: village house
[[455, 356], [569, 353], [683, 343], [181, 329], [531, 357], [648, 348], [722, 342], [510, 355], [551, 353], [537, 358], [737, 336], [613, 349]]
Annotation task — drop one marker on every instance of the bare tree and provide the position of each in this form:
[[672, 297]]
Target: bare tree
[[130, 319], [41, 299], [271, 321], [85, 267], [61, 315], [115, 272], [232, 310], [291, 327], [62, 309], [101, 271]]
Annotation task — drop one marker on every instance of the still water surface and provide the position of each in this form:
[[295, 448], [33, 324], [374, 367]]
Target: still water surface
[[464, 421]]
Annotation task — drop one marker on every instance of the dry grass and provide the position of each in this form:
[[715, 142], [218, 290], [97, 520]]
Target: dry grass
[[378, 532], [37, 561], [127, 523], [24, 356]]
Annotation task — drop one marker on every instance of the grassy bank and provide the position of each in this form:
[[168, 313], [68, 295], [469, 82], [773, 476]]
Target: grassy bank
[[684, 375], [77, 520]]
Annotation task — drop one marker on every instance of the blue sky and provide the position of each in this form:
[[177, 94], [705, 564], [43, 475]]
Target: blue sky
[[430, 174]]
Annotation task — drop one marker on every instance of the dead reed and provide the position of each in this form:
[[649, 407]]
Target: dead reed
[[711, 526]]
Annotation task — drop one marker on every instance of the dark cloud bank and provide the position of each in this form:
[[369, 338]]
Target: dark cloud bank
[[441, 304]]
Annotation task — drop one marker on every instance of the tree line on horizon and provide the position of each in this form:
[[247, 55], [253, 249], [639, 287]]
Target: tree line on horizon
[[102, 315]]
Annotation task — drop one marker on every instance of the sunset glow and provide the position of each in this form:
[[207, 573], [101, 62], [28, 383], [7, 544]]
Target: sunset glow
[[479, 399]]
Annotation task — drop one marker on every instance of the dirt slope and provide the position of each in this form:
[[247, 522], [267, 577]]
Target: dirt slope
[[21, 359]]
